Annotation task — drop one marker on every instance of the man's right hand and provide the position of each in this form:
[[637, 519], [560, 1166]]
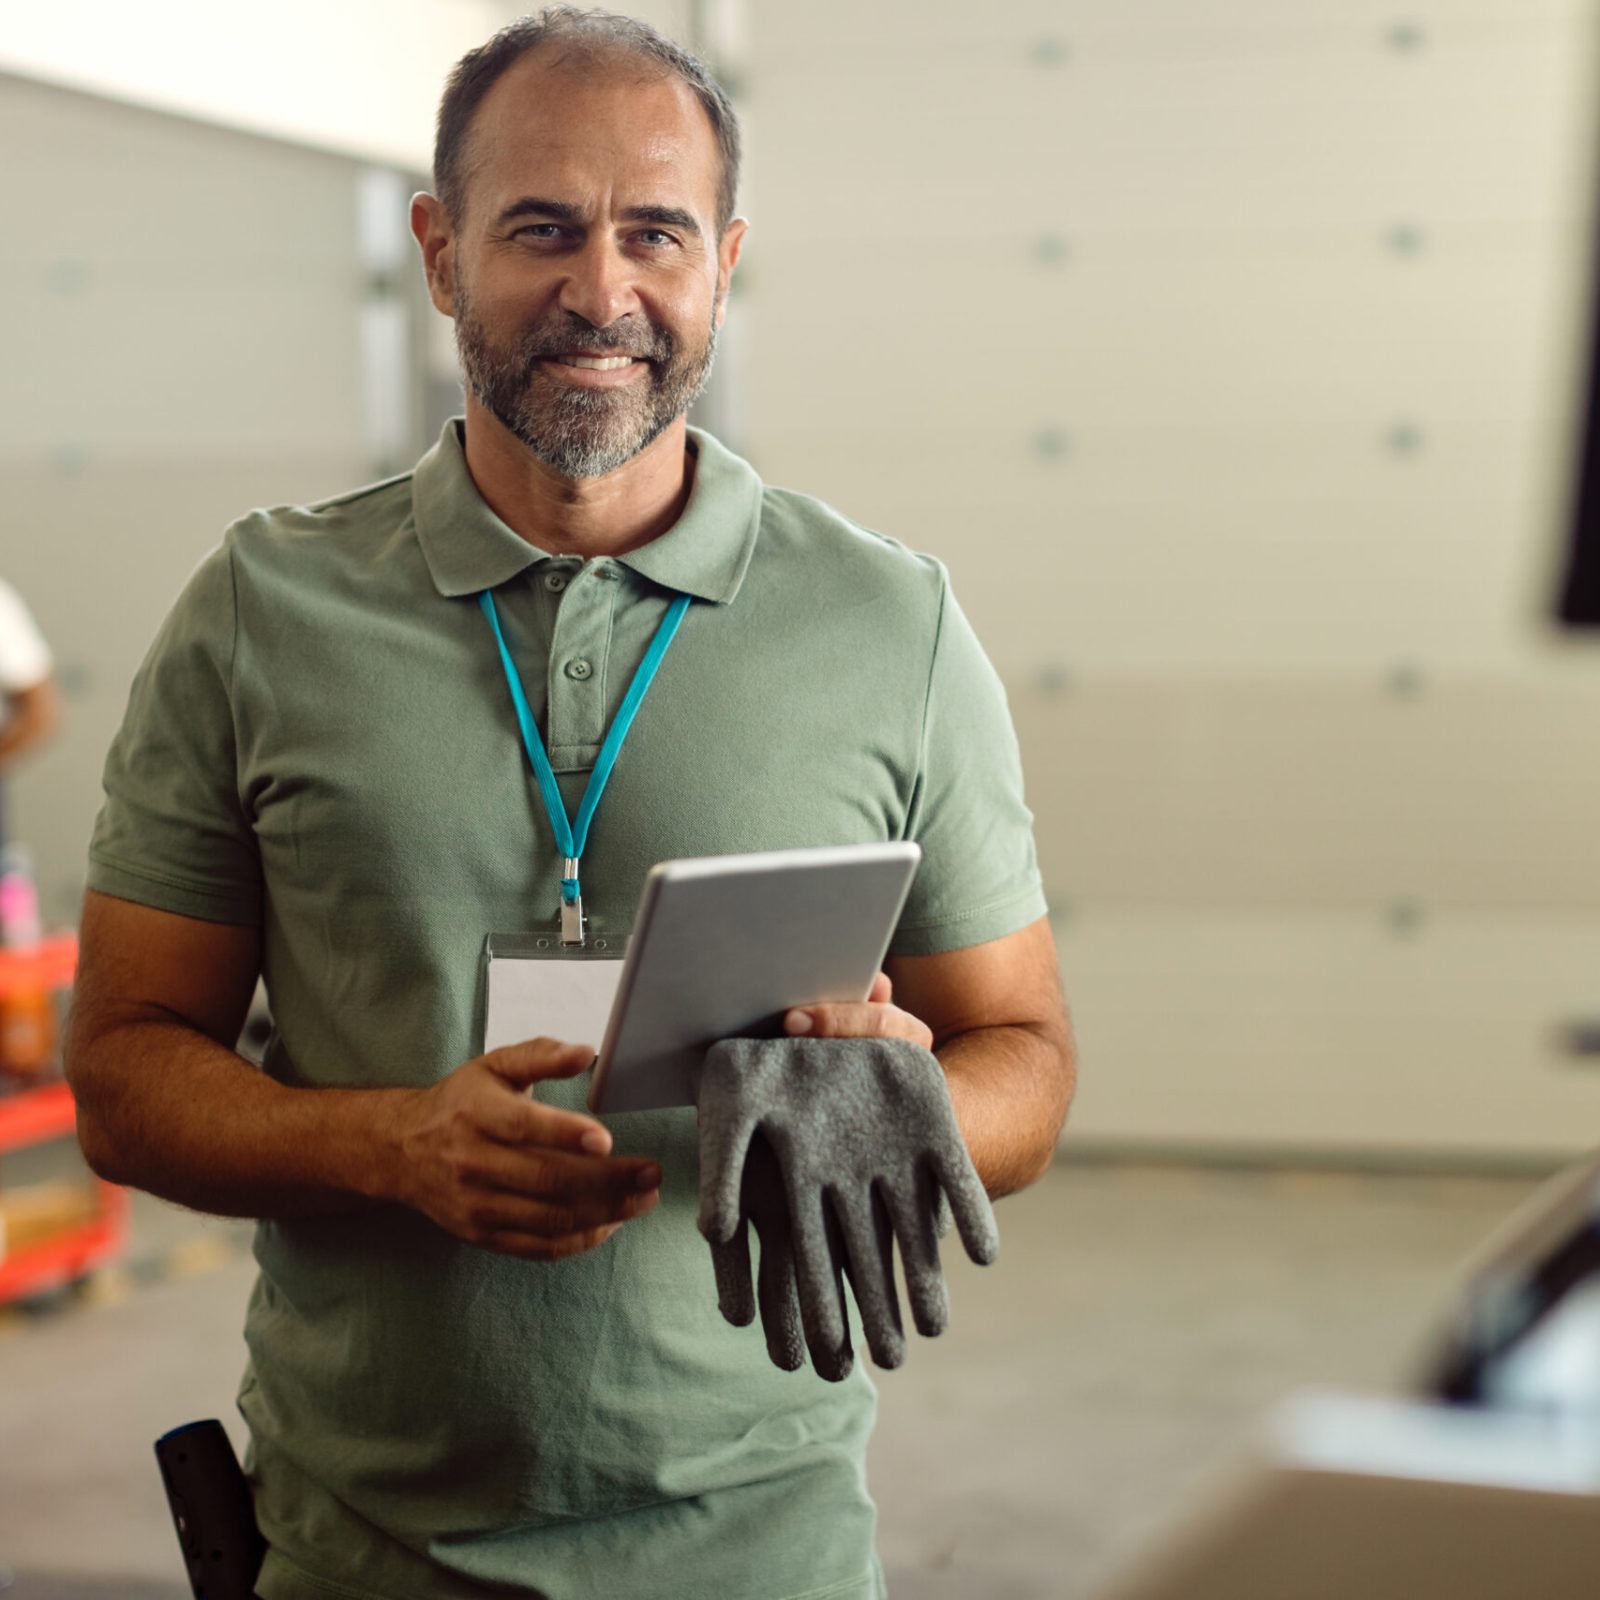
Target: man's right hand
[[493, 1166], [166, 1105]]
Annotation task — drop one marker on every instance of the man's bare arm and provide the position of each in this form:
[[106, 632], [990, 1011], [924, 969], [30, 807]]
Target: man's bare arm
[[164, 1104], [995, 1016], [1001, 1029]]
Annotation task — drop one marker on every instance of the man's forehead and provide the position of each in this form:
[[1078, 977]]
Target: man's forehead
[[560, 131]]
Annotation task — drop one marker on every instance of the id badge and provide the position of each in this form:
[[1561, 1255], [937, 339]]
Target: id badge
[[537, 987]]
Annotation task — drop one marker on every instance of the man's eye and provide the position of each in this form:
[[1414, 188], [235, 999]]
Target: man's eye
[[534, 227], [650, 234]]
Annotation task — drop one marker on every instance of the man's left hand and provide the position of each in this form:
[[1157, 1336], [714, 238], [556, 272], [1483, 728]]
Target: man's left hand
[[876, 1017]]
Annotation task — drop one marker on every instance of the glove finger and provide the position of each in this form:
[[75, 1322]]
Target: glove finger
[[868, 1239], [980, 1233], [821, 1289], [724, 1140], [780, 1305], [915, 1218], [835, 1362], [730, 1261]]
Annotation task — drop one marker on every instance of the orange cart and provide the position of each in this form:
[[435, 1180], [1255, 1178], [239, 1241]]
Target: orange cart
[[35, 1260]]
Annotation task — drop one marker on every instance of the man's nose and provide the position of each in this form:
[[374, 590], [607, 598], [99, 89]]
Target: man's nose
[[599, 285]]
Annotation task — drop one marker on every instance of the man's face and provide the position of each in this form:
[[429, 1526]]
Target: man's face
[[588, 234]]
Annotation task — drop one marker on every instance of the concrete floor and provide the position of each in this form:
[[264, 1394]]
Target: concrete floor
[[1140, 1322]]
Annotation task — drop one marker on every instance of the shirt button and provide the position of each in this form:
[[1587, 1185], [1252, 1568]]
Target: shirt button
[[608, 573], [579, 668], [555, 582]]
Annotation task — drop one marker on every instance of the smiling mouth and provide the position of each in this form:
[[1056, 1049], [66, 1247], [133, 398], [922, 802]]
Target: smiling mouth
[[596, 363]]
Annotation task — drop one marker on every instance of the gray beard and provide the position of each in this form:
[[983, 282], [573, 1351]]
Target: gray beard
[[579, 433]]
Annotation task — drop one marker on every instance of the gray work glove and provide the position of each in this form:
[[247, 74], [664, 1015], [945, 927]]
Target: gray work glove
[[832, 1149]]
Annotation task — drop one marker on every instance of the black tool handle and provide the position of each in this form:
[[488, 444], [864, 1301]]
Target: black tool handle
[[212, 1511]]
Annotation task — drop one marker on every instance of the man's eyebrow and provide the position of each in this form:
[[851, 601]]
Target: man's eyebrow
[[666, 216], [532, 206], [562, 211]]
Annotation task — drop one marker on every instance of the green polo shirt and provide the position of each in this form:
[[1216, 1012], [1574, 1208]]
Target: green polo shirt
[[321, 743]]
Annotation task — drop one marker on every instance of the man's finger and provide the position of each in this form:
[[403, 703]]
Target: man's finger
[[882, 990], [534, 1247], [516, 1119], [536, 1059], [506, 1213], [561, 1177], [864, 1021]]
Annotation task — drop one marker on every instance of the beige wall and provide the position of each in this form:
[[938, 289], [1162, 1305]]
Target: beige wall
[[1225, 352], [361, 77], [184, 341], [211, 303], [1224, 349]]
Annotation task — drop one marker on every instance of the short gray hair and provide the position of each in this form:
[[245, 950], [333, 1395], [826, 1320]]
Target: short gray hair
[[579, 37]]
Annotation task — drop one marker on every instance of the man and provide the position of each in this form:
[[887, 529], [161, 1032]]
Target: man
[[486, 1356]]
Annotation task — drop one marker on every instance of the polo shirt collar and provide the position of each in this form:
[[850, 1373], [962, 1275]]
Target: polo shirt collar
[[706, 552]]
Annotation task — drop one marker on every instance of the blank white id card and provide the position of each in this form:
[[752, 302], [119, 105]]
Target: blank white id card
[[537, 987]]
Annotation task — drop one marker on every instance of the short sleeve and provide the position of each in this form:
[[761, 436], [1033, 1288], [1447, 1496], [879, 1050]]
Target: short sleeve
[[979, 876], [24, 656], [172, 832]]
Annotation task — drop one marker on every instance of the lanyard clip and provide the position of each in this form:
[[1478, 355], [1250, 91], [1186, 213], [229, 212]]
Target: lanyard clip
[[571, 909]]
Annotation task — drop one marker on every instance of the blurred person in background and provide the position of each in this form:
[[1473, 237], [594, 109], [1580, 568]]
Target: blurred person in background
[[30, 706], [485, 1350]]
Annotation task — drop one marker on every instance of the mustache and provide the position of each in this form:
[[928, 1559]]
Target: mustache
[[537, 347]]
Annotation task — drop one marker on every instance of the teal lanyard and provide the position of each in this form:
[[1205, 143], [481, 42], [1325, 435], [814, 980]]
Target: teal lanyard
[[572, 837]]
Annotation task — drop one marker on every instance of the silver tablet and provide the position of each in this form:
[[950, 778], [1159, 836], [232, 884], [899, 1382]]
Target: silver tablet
[[723, 946]]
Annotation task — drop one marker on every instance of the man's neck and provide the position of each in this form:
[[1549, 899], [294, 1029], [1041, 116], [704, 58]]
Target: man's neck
[[585, 517]]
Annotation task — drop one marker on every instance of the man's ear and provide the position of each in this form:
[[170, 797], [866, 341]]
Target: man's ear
[[430, 226], [728, 251]]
